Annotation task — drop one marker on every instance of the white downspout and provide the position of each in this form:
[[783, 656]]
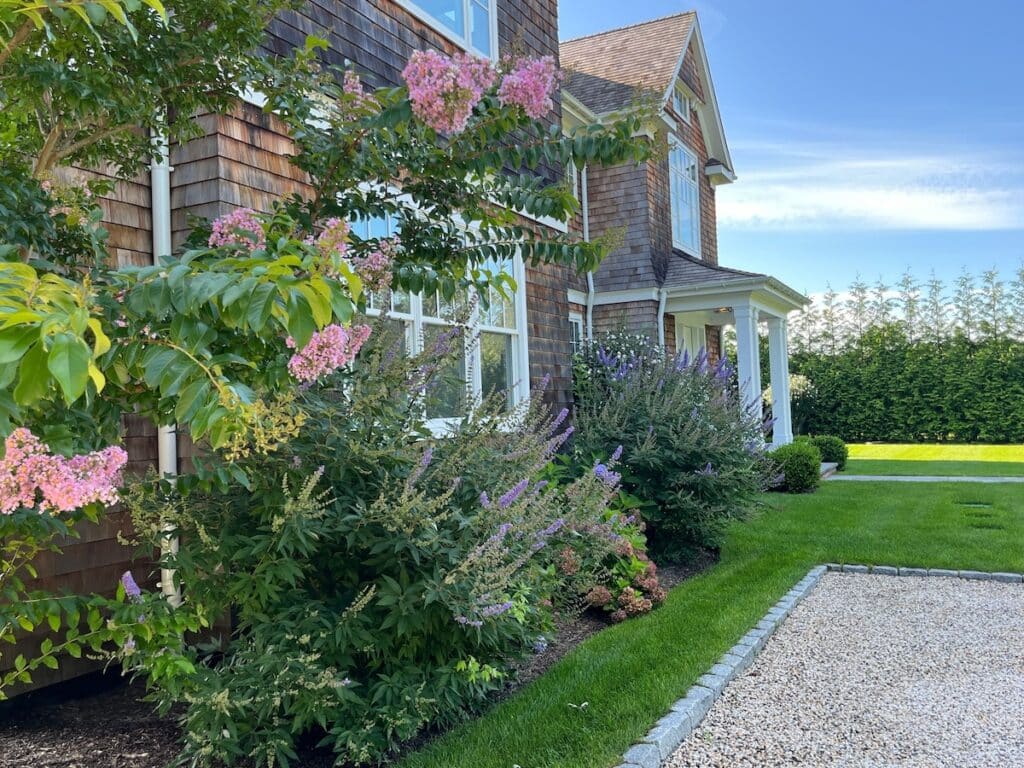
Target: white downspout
[[586, 238], [167, 436], [662, 298]]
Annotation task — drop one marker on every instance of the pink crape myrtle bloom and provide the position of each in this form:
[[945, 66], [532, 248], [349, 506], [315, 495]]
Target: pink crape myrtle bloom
[[375, 268], [31, 476], [225, 230], [333, 241], [352, 86], [443, 90], [327, 351], [529, 84]]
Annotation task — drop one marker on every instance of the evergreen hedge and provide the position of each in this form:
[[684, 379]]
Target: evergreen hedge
[[883, 386]]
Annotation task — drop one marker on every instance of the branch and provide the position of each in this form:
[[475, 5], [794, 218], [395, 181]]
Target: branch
[[20, 35]]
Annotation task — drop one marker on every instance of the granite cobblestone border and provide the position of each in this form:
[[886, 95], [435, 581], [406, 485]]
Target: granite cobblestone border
[[686, 714]]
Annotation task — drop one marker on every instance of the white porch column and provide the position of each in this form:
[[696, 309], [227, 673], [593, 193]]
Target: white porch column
[[748, 355], [778, 358]]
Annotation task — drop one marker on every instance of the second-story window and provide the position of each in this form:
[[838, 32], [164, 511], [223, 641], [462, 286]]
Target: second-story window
[[685, 195], [470, 23]]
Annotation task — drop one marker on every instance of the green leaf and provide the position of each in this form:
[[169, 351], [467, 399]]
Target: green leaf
[[68, 361], [15, 341], [34, 379]]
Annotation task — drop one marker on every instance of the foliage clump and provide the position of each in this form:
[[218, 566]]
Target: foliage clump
[[379, 579], [799, 466], [691, 450], [833, 450]]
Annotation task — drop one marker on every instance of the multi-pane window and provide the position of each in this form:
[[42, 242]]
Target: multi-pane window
[[681, 103], [575, 332], [493, 354], [471, 23], [685, 194]]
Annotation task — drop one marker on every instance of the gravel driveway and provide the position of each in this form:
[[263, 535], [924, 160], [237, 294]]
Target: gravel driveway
[[878, 671]]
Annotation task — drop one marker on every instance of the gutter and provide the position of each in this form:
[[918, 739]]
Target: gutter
[[167, 436]]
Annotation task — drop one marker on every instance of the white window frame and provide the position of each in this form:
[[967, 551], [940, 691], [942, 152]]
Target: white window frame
[[464, 39], [680, 157], [682, 103], [572, 176], [417, 320], [576, 339]]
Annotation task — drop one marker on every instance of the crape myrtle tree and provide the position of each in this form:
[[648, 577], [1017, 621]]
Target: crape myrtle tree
[[217, 337]]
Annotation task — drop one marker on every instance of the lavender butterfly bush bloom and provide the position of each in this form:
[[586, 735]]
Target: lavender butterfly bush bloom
[[485, 500], [708, 471], [496, 609], [617, 454], [130, 587], [562, 416], [510, 496], [428, 456], [605, 475]]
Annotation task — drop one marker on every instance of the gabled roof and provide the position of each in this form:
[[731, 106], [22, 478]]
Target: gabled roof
[[607, 70], [614, 70]]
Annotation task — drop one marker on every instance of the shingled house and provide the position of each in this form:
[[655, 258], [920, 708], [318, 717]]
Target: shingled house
[[665, 278]]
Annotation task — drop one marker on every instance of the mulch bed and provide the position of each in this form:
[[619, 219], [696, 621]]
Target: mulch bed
[[101, 721]]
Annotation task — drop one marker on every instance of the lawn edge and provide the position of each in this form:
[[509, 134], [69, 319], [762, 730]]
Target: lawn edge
[[687, 713]]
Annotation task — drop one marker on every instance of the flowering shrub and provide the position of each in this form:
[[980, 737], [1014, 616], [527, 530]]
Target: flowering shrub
[[690, 449], [379, 580], [201, 338], [605, 563]]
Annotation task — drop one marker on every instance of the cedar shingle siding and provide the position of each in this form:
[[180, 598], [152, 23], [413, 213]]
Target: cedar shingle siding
[[241, 159]]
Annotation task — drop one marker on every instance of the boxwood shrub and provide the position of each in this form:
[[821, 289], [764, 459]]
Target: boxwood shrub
[[799, 465], [833, 449]]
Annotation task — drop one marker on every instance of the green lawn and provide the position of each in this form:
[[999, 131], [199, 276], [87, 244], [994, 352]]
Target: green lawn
[[630, 674], [943, 460]]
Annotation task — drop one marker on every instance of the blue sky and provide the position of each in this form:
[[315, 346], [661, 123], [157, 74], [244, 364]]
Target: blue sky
[[868, 136]]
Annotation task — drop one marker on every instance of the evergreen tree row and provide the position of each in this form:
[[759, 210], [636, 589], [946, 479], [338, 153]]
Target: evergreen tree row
[[918, 363]]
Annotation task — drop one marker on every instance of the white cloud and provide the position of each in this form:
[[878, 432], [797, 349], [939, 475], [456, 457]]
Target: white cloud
[[818, 186]]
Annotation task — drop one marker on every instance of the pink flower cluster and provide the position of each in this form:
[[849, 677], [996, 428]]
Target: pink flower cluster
[[225, 230], [375, 267], [443, 90], [352, 86], [529, 84], [327, 351], [333, 240], [30, 475]]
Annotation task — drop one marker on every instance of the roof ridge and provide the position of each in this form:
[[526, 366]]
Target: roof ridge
[[629, 26]]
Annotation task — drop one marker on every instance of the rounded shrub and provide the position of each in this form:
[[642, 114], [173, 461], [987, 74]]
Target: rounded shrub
[[833, 449], [799, 465]]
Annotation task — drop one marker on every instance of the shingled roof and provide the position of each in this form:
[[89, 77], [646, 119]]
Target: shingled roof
[[609, 70], [686, 274]]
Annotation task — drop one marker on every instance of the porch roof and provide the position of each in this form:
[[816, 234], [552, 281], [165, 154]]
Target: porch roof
[[694, 284]]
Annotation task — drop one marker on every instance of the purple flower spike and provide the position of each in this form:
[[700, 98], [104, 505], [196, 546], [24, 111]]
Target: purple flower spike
[[130, 587], [617, 454], [485, 501], [562, 416], [514, 493]]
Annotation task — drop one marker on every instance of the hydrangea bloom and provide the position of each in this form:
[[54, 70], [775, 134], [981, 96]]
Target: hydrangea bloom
[[225, 230], [529, 85], [443, 90], [30, 475], [327, 351]]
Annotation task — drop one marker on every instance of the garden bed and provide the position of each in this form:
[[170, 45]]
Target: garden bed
[[102, 720]]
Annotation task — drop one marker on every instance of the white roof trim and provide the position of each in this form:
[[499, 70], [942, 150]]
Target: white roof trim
[[771, 285], [710, 102]]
